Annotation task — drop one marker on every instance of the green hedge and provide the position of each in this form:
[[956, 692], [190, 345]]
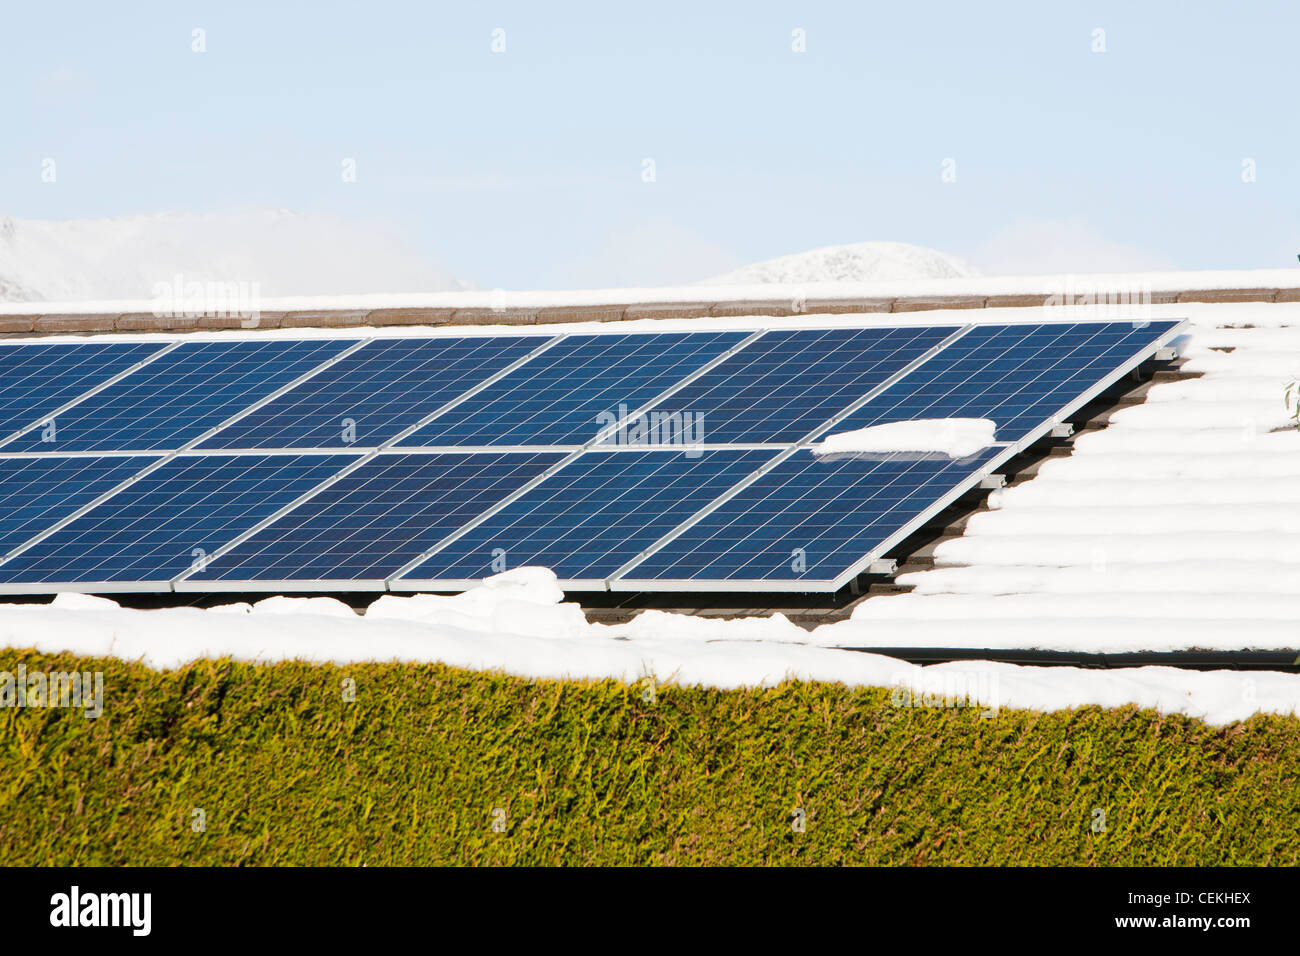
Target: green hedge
[[288, 772]]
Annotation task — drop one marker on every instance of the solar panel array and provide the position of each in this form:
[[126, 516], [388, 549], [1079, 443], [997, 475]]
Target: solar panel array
[[623, 460]]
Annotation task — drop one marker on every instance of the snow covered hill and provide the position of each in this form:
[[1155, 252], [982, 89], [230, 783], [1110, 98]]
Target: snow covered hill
[[859, 262], [285, 253]]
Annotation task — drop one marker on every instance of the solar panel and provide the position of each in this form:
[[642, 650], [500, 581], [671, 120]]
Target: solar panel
[[178, 396], [568, 393], [806, 522], [177, 515], [786, 383], [1017, 375], [37, 492], [592, 516], [36, 380], [1020, 376], [481, 454], [370, 396], [373, 521]]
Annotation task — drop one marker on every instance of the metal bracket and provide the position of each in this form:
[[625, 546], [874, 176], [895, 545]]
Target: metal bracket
[[1166, 353], [1062, 430], [993, 481], [882, 566]]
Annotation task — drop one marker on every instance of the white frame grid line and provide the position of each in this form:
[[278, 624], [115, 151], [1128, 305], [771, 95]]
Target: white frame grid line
[[305, 376], [161, 584], [442, 409], [189, 449], [664, 394], [575, 465]]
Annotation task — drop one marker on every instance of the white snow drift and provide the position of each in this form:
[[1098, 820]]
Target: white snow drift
[[953, 437], [1177, 527], [517, 623]]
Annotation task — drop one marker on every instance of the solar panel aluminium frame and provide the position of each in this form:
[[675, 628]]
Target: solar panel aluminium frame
[[626, 583]]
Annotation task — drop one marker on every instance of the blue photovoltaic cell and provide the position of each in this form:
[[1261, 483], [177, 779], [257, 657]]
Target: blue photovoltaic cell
[[784, 385], [808, 519], [595, 514], [182, 394], [1019, 376], [37, 492], [151, 530], [373, 521], [385, 386], [569, 392], [37, 379]]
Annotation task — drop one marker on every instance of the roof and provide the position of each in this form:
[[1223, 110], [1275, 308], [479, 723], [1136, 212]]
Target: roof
[[208, 308], [1176, 527]]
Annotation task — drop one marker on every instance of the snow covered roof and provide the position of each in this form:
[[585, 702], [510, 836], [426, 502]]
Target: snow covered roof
[[1176, 527]]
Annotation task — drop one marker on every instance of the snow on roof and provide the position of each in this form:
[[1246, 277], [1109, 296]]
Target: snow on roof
[[1175, 527], [1038, 285], [950, 437], [517, 623]]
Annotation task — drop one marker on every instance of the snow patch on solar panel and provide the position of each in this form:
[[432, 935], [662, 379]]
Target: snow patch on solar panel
[[950, 437]]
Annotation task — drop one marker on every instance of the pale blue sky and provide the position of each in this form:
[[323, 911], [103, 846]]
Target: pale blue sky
[[523, 169]]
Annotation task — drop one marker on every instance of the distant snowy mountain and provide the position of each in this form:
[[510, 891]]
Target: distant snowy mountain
[[285, 253], [852, 263]]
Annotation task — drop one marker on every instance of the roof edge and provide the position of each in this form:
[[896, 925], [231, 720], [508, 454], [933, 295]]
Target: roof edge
[[44, 323]]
